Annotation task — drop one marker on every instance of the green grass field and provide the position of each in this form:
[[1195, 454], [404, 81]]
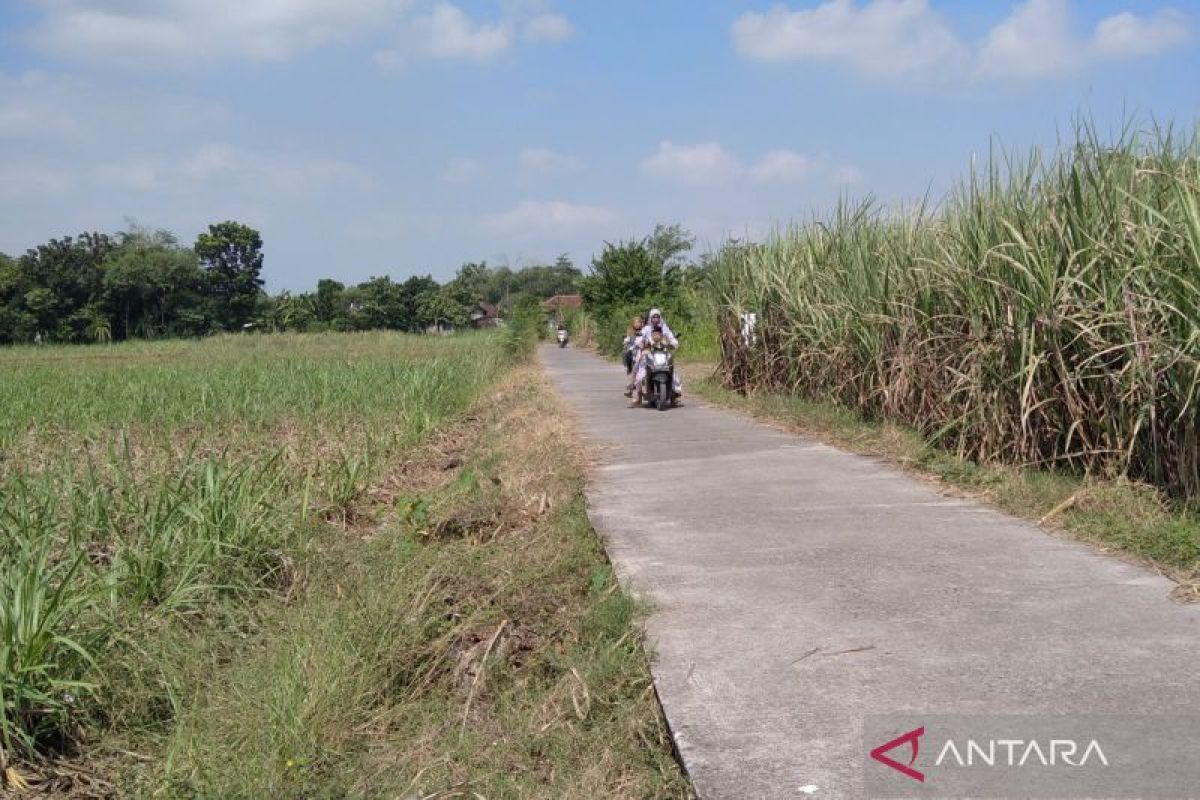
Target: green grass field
[[266, 564]]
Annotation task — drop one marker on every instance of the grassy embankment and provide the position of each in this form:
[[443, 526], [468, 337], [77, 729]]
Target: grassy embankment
[[1046, 318], [308, 566]]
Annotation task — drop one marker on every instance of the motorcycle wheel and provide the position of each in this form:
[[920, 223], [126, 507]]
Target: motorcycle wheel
[[664, 394]]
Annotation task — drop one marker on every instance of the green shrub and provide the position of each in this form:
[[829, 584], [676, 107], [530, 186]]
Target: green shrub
[[524, 328]]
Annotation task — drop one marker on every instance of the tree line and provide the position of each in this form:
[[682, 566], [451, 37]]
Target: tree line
[[139, 283], [629, 277]]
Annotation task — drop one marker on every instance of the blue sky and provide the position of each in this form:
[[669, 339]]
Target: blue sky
[[370, 137]]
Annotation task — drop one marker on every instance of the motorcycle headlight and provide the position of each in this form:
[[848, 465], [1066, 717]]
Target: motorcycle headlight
[[660, 359]]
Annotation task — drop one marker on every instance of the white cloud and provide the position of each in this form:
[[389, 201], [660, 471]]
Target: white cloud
[[549, 28], [710, 164], [908, 39], [784, 166], [1034, 41], [1126, 35], [447, 32], [256, 173], [884, 38], [461, 170], [183, 33], [1038, 40], [692, 164], [547, 162], [170, 33], [40, 108], [549, 219]]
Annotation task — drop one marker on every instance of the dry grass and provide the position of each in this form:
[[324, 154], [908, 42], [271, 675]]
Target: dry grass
[[473, 642]]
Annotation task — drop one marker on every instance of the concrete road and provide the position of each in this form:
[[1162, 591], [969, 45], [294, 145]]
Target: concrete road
[[797, 589]]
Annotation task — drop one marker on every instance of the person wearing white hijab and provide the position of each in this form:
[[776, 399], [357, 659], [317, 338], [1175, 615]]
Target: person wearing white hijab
[[654, 321]]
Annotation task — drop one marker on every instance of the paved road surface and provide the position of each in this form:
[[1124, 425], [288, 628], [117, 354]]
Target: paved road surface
[[796, 589]]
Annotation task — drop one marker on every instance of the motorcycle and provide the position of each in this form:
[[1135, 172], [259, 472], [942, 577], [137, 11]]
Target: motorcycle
[[658, 388], [562, 337]]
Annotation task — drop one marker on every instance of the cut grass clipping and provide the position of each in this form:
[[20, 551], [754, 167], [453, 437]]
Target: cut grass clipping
[[242, 567]]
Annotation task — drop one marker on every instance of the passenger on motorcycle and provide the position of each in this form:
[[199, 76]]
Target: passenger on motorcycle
[[629, 344], [638, 340], [656, 325]]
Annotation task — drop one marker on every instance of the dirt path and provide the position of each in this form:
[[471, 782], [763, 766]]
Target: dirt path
[[798, 591]]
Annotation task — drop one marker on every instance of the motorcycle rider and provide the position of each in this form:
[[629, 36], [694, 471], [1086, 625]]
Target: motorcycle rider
[[656, 325], [656, 320]]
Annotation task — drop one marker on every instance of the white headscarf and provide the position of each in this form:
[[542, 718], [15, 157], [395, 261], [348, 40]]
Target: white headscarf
[[668, 334]]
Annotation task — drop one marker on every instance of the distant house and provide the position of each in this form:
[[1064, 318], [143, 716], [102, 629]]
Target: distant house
[[485, 315], [482, 315], [560, 303]]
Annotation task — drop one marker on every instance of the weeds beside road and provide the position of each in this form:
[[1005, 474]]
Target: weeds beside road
[[329, 565]]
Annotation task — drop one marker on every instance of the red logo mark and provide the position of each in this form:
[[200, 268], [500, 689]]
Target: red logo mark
[[912, 738]]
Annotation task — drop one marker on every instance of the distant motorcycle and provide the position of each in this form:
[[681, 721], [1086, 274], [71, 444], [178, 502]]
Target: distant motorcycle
[[562, 337], [658, 387]]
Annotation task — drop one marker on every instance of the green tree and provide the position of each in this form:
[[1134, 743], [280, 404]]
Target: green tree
[[469, 285], [296, 313], [381, 305], [443, 308], [498, 287], [60, 287], [270, 313], [631, 272], [668, 246], [331, 304], [506, 289], [14, 319], [540, 282], [8, 275], [231, 255], [416, 298], [150, 282], [623, 273]]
